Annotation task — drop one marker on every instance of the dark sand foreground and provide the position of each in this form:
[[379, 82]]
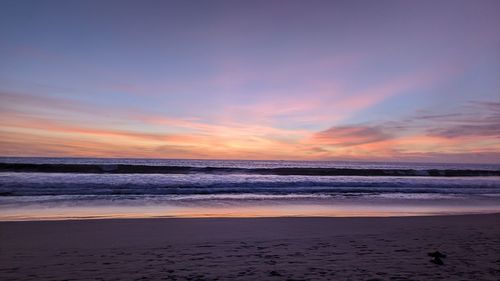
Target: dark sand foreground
[[252, 249]]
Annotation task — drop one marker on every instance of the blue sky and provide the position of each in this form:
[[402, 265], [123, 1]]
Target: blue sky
[[251, 79]]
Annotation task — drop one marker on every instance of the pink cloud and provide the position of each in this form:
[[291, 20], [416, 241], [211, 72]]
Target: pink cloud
[[350, 135]]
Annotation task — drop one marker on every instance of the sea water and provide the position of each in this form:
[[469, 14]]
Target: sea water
[[239, 191]]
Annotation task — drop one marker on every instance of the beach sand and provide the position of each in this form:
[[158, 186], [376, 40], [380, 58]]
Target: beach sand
[[252, 249]]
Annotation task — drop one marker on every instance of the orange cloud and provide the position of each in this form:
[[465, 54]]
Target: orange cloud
[[43, 126], [350, 135]]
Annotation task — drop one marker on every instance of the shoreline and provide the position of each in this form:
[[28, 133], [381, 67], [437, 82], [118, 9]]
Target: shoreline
[[292, 248], [93, 218], [327, 208]]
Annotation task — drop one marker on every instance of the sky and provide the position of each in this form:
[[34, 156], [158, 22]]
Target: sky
[[302, 80]]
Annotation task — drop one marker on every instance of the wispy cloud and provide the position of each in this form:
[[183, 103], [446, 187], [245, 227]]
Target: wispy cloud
[[350, 135], [478, 119], [472, 129], [27, 129]]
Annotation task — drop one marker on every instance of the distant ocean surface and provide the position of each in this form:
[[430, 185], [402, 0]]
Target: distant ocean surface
[[62, 188]]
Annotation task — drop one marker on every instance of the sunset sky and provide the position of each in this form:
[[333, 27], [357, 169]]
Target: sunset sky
[[312, 80]]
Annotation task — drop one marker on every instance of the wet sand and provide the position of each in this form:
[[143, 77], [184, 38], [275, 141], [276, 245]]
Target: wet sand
[[252, 249]]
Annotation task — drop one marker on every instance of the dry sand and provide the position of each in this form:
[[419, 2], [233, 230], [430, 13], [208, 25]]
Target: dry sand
[[252, 249]]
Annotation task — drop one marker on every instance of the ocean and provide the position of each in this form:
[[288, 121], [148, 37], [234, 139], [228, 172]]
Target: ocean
[[85, 188]]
